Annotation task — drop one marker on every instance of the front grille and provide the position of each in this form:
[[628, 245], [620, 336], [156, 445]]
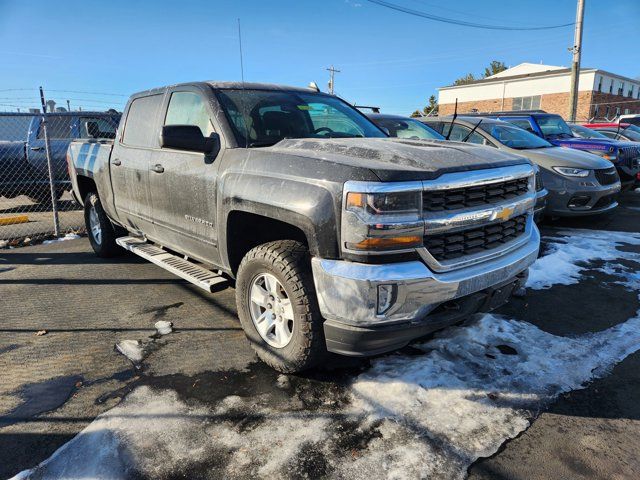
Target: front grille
[[447, 246], [459, 198], [630, 157], [604, 202], [607, 176]]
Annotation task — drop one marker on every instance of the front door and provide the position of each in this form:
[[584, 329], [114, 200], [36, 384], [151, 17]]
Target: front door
[[183, 183]]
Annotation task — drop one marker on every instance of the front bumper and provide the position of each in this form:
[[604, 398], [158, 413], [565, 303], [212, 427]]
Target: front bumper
[[348, 297], [541, 204], [564, 191]]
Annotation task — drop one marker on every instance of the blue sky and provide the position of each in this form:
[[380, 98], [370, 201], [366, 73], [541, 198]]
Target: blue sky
[[387, 58]]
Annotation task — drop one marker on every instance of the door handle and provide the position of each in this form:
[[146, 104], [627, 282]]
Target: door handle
[[157, 168], [36, 149], [117, 162]]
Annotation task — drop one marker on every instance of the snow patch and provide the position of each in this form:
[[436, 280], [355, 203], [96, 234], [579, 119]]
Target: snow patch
[[570, 251], [68, 236], [132, 349], [164, 327]]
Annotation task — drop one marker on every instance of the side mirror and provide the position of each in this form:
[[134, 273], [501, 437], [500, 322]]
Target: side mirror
[[188, 137]]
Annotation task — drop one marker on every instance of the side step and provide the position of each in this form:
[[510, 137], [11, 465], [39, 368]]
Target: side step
[[201, 277]]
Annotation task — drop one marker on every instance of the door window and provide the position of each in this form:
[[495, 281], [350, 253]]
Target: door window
[[94, 127], [141, 120], [188, 108]]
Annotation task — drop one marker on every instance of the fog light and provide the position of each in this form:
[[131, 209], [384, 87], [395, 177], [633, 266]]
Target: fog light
[[578, 201], [386, 297]]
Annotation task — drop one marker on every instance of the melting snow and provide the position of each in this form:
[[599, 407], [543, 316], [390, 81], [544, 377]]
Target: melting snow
[[164, 327], [570, 251], [68, 236], [132, 349]]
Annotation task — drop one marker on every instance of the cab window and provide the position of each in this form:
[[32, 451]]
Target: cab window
[[188, 108], [522, 123], [141, 119]]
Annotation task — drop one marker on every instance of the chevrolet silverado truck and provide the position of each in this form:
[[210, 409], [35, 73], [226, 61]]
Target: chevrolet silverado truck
[[23, 160], [335, 237]]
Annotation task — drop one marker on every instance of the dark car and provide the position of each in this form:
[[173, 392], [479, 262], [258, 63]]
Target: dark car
[[624, 155], [622, 131], [23, 159], [404, 127]]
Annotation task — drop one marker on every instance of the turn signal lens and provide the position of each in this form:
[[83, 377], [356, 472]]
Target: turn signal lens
[[387, 243]]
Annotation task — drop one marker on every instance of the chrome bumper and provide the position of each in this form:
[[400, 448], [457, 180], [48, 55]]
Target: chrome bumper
[[348, 291]]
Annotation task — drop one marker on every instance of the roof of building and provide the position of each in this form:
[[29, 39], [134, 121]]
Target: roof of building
[[533, 70]]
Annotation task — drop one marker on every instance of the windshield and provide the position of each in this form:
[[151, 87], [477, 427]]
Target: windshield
[[585, 132], [261, 118], [554, 126], [407, 128], [632, 132], [514, 137]]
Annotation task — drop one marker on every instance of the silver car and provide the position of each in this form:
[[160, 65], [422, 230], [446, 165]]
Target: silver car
[[579, 183]]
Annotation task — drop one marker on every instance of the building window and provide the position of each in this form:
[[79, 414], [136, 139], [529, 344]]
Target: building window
[[611, 86], [627, 111], [617, 111], [621, 89], [526, 103], [600, 84], [631, 91]]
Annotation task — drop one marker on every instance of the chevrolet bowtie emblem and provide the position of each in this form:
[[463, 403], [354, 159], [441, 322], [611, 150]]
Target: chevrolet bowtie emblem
[[504, 214]]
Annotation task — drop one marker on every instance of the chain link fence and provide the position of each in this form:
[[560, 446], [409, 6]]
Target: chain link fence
[[35, 190]]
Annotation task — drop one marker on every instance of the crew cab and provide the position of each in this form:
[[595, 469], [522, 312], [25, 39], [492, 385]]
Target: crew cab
[[23, 160], [624, 155], [335, 237]]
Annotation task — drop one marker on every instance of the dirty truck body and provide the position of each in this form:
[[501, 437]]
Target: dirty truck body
[[336, 237]]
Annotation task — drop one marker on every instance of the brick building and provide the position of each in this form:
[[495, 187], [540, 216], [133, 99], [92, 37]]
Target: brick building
[[601, 95]]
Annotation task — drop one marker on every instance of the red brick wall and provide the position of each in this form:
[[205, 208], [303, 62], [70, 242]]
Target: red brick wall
[[556, 103]]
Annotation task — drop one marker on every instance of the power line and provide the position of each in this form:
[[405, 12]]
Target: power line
[[462, 23]]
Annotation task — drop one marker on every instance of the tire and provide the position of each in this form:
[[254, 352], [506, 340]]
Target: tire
[[288, 262], [103, 241]]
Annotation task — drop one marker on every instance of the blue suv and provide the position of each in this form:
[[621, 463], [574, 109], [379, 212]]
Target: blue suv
[[552, 127]]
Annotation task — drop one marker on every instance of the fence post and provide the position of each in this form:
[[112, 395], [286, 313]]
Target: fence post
[[54, 199]]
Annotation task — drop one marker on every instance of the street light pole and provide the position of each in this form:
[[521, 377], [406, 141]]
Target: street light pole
[[575, 65]]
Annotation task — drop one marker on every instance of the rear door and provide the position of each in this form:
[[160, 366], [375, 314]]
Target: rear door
[[183, 183], [129, 162]]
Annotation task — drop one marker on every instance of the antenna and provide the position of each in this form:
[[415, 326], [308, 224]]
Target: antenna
[[241, 62], [455, 115]]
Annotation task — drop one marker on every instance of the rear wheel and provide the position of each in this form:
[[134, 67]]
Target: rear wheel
[[278, 308], [102, 233]]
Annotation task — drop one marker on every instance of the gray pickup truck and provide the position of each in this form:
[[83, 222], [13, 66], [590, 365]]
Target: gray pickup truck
[[335, 237]]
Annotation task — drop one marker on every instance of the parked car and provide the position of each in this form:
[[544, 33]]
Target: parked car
[[624, 155], [631, 118], [622, 131], [23, 159], [335, 236], [579, 183], [406, 127]]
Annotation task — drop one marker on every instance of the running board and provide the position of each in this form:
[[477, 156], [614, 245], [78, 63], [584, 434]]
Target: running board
[[201, 277]]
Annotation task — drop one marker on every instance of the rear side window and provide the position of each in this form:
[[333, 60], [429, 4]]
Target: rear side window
[[524, 124], [188, 108], [139, 130], [58, 127], [14, 127]]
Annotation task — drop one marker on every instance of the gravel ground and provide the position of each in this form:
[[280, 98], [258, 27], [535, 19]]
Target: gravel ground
[[55, 384]]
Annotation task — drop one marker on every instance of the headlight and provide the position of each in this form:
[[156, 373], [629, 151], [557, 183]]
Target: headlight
[[572, 172], [382, 221]]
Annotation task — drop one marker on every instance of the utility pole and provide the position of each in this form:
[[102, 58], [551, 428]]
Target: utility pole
[[575, 66], [332, 78]]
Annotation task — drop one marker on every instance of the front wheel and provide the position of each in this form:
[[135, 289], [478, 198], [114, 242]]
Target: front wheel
[[102, 234], [278, 308]]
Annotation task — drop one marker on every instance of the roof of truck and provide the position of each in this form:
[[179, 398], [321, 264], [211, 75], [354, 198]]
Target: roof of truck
[[231, 86]]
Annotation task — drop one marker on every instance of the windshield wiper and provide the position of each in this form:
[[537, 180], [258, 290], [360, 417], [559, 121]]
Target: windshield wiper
[[263, 144]]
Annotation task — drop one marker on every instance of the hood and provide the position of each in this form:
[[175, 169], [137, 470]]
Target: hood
[[565, 157], [393, 159]]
